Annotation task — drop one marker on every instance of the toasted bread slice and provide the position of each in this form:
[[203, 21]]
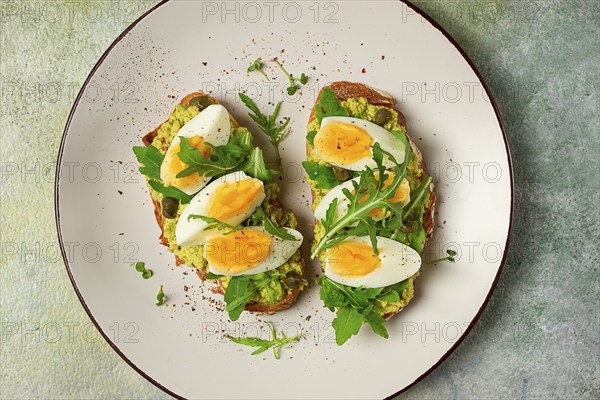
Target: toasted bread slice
[[282, 304], [344, 90]]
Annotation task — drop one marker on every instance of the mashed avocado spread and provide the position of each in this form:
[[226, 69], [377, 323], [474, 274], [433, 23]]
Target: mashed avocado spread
[[280, 282], [360, 108]]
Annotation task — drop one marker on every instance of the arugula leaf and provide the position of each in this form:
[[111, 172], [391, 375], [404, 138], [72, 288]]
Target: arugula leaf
[[257, 65], [214, 223], [416, 239], [160, 297], [242, 288], [223, 158], [263, 344], [357, 305], [238, 293], [377, 324], [417, 196], [269, 281], [243, 140], [346, 324], [150, 159], [210, 276], [331, 297], [359, 297], [275, 131], [329, 105], [170, 191], [399, 287], [322, 175], [310, 137], [330, 214], [261, 215], [293, 88], [389, 296], [255, 166]]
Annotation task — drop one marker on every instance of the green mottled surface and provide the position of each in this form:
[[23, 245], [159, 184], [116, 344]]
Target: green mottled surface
[[539, 336]]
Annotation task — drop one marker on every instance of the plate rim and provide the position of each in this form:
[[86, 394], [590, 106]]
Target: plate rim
[[139, 370]]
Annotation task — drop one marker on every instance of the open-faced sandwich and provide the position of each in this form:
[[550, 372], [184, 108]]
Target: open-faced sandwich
[[218, 210], [373, 202]]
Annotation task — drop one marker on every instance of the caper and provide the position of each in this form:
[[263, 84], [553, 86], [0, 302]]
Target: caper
[[200, 101], [292, 281], [382, 116], [276, 216], [341, 174], [169, 207], [410, 227]]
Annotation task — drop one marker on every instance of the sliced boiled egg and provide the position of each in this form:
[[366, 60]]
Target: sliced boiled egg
[[401, 195], [231, 198], [249, 251], [213, 126], [346, 142], [353, 262]]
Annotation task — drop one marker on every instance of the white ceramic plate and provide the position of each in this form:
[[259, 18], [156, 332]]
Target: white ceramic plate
[[105, 218]]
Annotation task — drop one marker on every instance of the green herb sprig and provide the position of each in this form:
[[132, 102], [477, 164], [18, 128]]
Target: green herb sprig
[[257, 65], [293, 88], [262, 345], [356, 306], [451, 254], [274, 130]]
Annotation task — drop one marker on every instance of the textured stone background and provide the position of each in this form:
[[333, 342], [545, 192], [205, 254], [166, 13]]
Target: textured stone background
[[539, 336]]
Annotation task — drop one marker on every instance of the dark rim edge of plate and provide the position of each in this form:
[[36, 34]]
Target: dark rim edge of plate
[[138, 369], [57, 210]]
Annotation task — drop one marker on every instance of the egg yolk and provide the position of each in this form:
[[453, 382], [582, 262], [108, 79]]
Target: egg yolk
[[172, 164], [238, 251], [343, 143], [233, 198], [402, 194], [350, 258]]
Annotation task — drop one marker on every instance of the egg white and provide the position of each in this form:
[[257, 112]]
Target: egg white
[[385, 138], [342, 200], [192, 232], [213, 125], [279, 252], [398, 262]]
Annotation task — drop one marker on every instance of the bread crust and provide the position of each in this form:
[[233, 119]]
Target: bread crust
[[253, 307], [345, 90]]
